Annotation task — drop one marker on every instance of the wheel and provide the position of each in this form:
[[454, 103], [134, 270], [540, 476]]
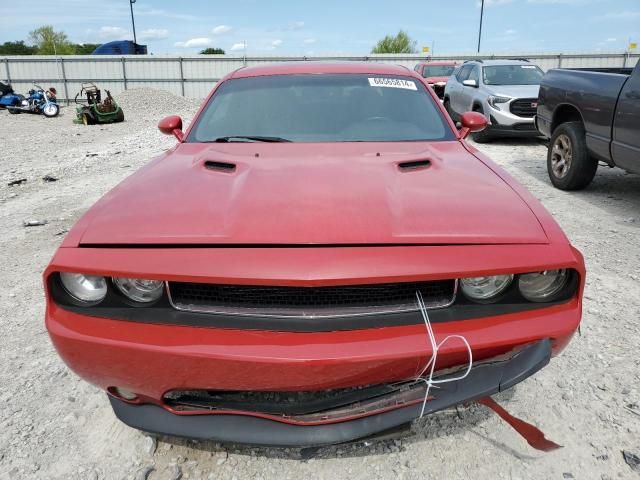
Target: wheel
[[569, 164], [14, 111], [51, 110], [483, 136]]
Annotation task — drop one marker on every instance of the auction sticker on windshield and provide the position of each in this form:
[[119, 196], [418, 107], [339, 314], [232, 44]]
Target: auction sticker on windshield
[[392, 83]]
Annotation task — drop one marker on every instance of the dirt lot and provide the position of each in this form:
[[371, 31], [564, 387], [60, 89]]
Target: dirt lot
[[53, 425]]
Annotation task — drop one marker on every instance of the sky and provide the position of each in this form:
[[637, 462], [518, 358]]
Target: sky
[[284, 27]]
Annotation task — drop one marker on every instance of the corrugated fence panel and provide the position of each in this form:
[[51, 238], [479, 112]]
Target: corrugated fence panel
[[114, 86], [86, 69], [195, 76], [37, 70], [209, 68], [155, 69], [198, 89]]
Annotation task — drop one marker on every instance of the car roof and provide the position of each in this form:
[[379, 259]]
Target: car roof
[[500, 62], [439, 63], [293, 68]]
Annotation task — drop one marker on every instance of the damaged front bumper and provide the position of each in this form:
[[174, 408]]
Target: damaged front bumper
[[336, 421]]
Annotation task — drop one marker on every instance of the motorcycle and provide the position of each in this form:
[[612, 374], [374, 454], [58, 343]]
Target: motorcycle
[[39, 101], [8, 97]]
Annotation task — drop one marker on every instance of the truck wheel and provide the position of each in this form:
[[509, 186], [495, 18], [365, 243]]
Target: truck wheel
[[569, 164]]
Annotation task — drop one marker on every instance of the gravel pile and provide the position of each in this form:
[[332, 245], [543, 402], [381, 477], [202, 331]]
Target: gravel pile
[[148, 104], [55, 426]]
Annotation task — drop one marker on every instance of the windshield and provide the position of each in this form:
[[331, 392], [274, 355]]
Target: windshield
[[512, 75], [321, 108], [438, 71]]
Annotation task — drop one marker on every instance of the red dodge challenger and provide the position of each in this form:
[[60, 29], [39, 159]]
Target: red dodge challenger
[[259, 282]]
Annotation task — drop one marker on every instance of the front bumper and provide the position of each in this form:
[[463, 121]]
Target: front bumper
[[516, 130], [483, 380], [503, 122]]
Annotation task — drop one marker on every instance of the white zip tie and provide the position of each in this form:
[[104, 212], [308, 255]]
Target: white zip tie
[[434, 355]]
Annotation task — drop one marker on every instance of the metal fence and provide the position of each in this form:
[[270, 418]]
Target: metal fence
[[194, 76]]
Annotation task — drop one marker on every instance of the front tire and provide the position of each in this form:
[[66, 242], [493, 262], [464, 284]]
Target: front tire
[[51, 110], [483, 136], [569, 164]]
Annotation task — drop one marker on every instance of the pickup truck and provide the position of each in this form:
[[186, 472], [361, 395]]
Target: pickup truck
[[590, 116]]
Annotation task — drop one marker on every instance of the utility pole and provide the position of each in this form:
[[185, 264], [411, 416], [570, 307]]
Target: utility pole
[[480, 31], [133, 23]]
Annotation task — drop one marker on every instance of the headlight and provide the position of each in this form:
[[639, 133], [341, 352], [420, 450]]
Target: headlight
[[140, 290], [494, 100], [485, 288], [543, 286], [86, 288]]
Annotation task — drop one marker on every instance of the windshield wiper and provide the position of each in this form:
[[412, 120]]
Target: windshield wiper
[[252, 138]]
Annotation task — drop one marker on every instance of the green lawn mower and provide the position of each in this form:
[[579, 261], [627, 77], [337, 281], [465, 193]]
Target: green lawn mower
[[96, 110]]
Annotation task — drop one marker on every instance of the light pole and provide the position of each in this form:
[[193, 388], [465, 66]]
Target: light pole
[[480, 31], [133, 23]]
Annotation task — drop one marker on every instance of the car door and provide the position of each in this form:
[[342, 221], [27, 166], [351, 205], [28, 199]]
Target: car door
[[468, 93], [625, 148], [458, 89]]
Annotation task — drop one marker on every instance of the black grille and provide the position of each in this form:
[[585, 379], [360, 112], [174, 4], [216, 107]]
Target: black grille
[[309, 301], [524, 107]]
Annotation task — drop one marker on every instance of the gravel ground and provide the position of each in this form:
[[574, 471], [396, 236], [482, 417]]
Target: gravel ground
[[55, 426]]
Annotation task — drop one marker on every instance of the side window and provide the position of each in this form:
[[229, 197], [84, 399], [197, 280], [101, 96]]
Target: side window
[[424, 72], [475, 75], [463, 74]]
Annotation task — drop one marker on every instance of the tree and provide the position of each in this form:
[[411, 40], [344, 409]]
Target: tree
[[85, 48], [16, 48], [212, 51], [401, 43], [50, 42]]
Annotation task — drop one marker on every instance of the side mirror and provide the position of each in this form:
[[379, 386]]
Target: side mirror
[[472, 122], [172, 125], [470, 83]]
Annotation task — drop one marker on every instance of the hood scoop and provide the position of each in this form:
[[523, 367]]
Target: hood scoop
[[414, 165], [220, 166]]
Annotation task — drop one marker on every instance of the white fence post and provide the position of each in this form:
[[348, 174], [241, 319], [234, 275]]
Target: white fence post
[[124, 73], [6, 67]]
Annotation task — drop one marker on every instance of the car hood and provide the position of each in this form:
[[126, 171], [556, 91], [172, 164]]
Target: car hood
[[306, 193], [437, 79], [515, 91]]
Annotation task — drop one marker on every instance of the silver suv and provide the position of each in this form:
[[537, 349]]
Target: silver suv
[[505, 91]]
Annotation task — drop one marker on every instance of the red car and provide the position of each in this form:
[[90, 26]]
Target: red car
[[259, 281], [436, 74]]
